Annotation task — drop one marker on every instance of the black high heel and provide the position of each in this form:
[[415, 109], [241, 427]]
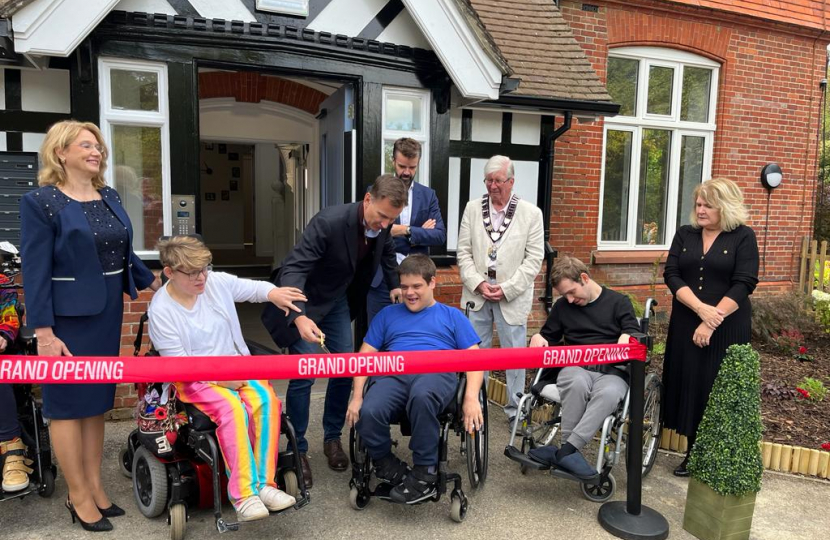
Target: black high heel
[[102, 525], [112, 511], [681, 469]]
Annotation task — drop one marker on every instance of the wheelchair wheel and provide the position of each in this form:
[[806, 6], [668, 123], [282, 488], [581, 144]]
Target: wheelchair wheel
[[125, 464], [600, 492], [458, 508], [477, 448], [149, 483], [541, 433], [652, 425], [178, 521], [358, 499], [47, 484], [292, 486]]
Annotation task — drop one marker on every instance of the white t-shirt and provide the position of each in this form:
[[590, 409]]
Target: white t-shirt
[[208, 329]]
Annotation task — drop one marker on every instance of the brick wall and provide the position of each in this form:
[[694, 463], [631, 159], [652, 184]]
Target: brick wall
[[253, 87]]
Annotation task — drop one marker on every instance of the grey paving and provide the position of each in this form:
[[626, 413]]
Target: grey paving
[[510, 506]]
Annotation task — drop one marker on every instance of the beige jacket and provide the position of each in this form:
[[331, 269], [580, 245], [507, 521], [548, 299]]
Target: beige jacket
[[519, 259]]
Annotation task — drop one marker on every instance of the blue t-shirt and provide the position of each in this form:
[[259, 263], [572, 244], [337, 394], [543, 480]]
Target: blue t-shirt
[[436, 328]]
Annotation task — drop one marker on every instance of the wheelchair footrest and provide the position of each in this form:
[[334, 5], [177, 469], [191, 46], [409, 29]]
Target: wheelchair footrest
[[516, 455]]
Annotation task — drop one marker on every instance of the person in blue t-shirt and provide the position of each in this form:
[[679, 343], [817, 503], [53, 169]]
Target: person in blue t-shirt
[[419, 324]]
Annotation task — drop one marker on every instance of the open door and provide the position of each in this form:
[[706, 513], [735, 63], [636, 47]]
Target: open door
[[337, 178]]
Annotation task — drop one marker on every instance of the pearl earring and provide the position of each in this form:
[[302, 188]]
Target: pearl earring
[[63, 160]]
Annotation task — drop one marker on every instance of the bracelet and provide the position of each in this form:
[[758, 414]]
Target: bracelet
[[47, 344]]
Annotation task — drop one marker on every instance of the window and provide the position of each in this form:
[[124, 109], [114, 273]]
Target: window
[[406, 114], [658, 148], [134, 121]]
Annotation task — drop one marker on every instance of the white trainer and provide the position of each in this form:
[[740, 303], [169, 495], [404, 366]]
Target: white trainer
[[275, 499], [251, 509]]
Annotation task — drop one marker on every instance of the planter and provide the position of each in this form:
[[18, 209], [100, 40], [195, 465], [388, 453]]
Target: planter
[[712, 516]]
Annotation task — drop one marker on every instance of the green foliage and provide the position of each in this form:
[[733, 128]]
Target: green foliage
[[639, 308], [815, 388], [772, 315], [659, 347], [726, 455], [821, 307]]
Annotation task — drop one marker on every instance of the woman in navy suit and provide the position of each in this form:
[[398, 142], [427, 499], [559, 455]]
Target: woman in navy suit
[[78, 262]]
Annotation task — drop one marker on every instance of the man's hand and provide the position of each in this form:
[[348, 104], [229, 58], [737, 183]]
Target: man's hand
[[496, 294], [398, 230], [538, 341], [429, 224], [284, 298], [353, 412], [396, 295], [710, 315], [702, 335], [308, 330], [3, 344], [625, 339], [473, 417]]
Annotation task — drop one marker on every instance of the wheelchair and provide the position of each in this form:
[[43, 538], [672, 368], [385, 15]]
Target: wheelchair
[[194, 477], [474, 447], [539, 420], [33, 427]]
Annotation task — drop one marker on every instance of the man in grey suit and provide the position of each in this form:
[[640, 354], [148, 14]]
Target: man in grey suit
[[500, 250]]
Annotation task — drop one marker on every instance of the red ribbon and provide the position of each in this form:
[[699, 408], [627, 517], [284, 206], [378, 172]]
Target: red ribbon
[[99, 369]]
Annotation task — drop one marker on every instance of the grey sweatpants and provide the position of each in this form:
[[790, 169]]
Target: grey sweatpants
[[588, 398]]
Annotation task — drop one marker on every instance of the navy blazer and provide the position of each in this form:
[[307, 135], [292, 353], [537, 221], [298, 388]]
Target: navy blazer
[[324, 266], [424, 206], [62, 274]]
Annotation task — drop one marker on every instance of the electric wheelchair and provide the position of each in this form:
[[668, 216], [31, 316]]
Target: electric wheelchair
[[474, 447], [33, 428], [194, 477], [537, 423]]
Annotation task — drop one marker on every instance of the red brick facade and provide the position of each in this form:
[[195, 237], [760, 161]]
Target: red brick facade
[[253, 87]]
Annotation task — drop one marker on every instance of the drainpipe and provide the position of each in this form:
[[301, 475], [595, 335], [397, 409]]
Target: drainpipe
[[547, 176]]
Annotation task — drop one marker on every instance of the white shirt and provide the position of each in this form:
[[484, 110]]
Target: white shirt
[[209, 331], [406, 217], [496, 219]]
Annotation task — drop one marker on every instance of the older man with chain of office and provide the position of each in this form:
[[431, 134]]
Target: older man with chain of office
[[500, 250]]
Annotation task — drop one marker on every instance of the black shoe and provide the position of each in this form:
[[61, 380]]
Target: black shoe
[[418, 486], [112, 511], [391, 470], [102, 525], [681, 469]]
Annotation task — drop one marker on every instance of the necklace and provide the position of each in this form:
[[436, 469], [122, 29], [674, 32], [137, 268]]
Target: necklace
[[496, 234]]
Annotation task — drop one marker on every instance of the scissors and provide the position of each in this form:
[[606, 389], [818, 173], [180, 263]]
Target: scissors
[[323, 345]]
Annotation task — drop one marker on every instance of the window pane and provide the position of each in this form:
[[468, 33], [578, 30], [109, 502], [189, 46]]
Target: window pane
[[136, 156], [622, 84], [694, 105], [660, 81], [691, 174], [654, 187], [134, 90], [403, 113], [616, 189]]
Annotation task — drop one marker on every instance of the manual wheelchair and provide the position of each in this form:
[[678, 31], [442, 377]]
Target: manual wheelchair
[[474, 447], [195, 474], [33, 428], [537, 423]]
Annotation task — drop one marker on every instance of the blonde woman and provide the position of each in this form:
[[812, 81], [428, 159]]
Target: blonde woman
[[711, 270], [76, 245], [194, 314]]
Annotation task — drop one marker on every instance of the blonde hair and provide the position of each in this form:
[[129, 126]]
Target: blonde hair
[[185, 253], [725, 196], [60, 136]]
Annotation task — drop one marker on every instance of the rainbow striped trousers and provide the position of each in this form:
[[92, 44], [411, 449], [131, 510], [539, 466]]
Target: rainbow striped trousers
[[248, 429]]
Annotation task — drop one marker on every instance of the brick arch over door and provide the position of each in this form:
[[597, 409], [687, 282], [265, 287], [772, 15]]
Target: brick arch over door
[[253, 87], [629, 28]]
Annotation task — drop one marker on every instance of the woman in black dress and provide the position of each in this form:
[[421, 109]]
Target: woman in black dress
[[711, 270], [78, 263]]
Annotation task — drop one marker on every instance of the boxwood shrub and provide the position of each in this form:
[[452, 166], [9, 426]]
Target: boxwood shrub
[[726, 455]]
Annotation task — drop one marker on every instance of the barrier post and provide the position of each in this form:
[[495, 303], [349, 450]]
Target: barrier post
[[630, 519]]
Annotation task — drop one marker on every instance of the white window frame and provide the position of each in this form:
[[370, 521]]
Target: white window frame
[[159, 119], [678, 60], [422, 136]]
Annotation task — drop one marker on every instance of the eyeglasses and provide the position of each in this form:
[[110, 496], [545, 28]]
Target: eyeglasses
[[195, 275], [491, 181], [89, 146]]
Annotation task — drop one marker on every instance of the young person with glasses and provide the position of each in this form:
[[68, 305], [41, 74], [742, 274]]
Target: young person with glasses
[[194, 314]]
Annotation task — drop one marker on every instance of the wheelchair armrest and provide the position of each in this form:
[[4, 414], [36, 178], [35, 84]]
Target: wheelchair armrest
[[258, 349], [26, 333], [462, 388]]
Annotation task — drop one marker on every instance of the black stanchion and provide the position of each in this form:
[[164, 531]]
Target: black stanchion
[[630, 519]]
